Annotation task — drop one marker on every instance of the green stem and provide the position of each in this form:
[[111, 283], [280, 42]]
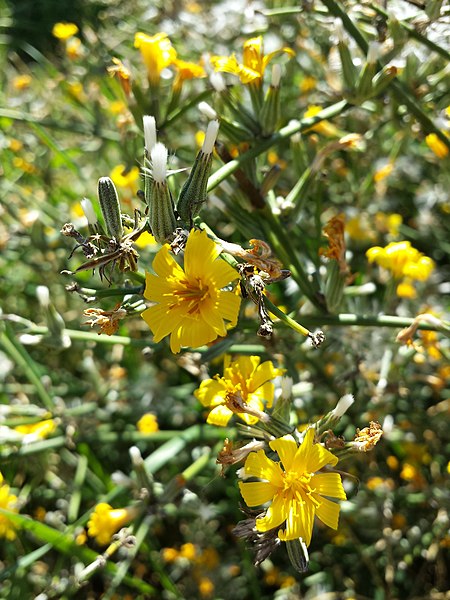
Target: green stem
[[285, 318], [105, 293], [284, 250], [349, 320], [397, 87], [413, 33], [17, 115], [276, 138], [24, 361]]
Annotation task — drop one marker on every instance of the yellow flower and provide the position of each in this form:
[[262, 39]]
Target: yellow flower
[[21, 82], [186, 70], [308, 84], [157, 52], [105, 521], [247, 377], [205, 587], [190, 304], [63, 31], [436, 145], [145, 239], [293, 486], [36, 431], [254, 61], [388, 222], [169, 554], [76, 90], [148, 423], [402, 260], [125, 177], [7, 502]]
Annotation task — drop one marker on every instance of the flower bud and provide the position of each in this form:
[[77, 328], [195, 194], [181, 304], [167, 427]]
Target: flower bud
[[207, 110], [149, 133], [194, 192], [334, 289], [342, 406], [349, 72], [109, 203], [89, 211], [365, 83], [298, 554], [157, 196], [383, 79], [270, 112]]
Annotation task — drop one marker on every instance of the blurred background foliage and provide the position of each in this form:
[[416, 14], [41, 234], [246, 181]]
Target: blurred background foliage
[[64, 122]]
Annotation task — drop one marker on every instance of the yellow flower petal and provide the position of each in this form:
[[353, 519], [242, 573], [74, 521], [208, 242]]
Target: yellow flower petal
[[259, 465], [256, 493], [328, 512], [299, 522], [275, 515], [286, 448], [328, 484], [220, 415]]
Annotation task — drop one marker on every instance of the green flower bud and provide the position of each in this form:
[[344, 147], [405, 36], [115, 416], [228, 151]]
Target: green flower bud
[[194, 192], [334, 288], [298, 554], [157, 196], [270, 112], [109, 203]]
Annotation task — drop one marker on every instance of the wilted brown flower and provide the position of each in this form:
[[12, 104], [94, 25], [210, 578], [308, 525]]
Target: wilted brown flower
[[106, 320]]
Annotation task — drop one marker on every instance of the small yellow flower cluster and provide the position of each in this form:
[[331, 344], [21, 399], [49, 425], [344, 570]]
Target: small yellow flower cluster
[[66, 32], [403, 261], [35, 431], [105, 521]]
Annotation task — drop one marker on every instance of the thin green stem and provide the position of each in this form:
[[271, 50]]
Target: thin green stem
[[17, 115], [412, 31], [349, 320], [284, 250], [285, 318], [397, 87], [24, 361], [284, 133]]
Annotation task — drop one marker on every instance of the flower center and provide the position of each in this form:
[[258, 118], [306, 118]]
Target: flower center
[[192, 295], [297, 485]]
